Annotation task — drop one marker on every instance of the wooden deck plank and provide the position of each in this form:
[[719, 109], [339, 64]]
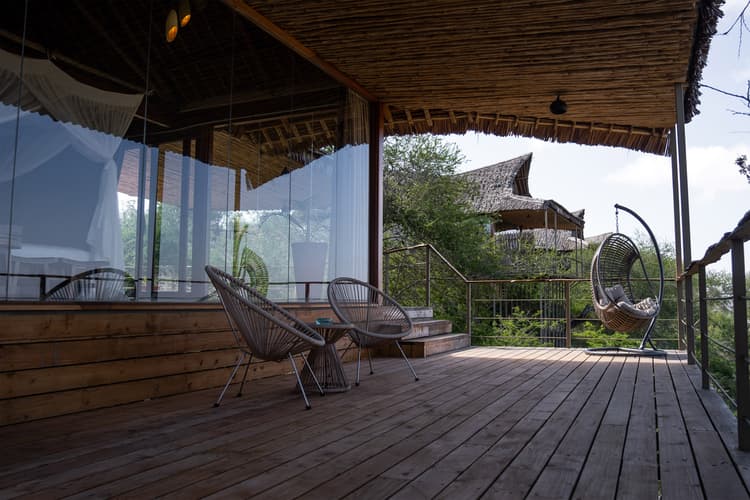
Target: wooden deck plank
[[197, 439], [423, 458], [715, 466], [639, 477], [598, 479], [451, 465], [354, 412], [556, 406], [537, 457], [503, 423], [376, 441], [559, 475], [677, 472], [721, 416]]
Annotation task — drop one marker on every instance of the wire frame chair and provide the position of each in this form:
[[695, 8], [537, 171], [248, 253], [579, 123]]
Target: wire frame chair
[[262, 329], [105, 284], [376, 318]]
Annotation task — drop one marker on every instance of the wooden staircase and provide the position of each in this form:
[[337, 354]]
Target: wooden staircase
[[429, 337]]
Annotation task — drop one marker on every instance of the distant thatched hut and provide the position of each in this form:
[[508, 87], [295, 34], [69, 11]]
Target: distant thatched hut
[[521, 223]]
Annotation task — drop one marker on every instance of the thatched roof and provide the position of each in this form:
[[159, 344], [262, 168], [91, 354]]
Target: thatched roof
[[502, 192], [440, 67], [495, 67]]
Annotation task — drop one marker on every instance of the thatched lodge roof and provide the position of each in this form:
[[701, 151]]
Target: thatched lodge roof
[[443, 67], [495, 67], [502, 192]]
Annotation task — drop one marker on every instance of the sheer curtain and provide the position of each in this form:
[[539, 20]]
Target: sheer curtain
[[92, 121], [350, 228]]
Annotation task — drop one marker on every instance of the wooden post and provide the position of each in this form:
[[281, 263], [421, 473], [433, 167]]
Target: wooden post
[[201, 206], [679, 268], [703, 326], [427, 276], [185, 178], [685, 217], [375, 219], [468, 310], [739, 304], [568, 318]]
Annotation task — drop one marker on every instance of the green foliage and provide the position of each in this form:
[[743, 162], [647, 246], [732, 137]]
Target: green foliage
[[520, 329], [425, 203], [593, 334], [246, 264], [744, 168]]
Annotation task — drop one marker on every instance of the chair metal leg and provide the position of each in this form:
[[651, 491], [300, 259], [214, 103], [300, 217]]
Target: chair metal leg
[[312, 373], [407, 361], [244, 377], [369, 358], [299, 380], [240, 359], [359, 361]]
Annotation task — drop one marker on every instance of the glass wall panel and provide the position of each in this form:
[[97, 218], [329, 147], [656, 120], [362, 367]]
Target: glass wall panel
[[158, 157]]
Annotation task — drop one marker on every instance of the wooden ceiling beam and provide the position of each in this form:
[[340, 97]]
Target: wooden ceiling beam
[[295, 45]]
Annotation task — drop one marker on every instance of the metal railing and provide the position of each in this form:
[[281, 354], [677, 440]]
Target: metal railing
[[553, 312], [715, 357]]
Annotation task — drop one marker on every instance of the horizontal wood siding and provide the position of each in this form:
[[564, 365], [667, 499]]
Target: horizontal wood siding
[[55, 361]]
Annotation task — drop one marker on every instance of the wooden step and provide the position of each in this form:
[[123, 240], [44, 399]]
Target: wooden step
[[427, 327], [419, 312], [428, 346]]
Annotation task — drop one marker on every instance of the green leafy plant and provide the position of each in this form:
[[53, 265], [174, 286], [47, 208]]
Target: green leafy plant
[[246, 264]]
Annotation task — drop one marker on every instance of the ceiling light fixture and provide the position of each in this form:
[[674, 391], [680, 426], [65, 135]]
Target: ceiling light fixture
[[183, 12], [171, 26], [558, 106]]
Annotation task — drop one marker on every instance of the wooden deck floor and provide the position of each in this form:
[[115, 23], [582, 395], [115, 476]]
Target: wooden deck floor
[[480, 423]]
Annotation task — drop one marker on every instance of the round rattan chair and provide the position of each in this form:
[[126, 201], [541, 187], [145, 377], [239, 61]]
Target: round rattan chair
[[376, 318], [105, 284], [625, 297], [262, 328]]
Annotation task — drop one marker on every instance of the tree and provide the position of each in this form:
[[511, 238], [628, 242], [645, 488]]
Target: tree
[[424, 202], [741, 25]]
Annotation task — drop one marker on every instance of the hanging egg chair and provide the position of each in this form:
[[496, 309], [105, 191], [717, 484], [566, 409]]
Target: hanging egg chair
[[626, 299]]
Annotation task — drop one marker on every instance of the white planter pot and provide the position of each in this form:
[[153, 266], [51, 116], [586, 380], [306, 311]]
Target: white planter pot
[[309, 258]]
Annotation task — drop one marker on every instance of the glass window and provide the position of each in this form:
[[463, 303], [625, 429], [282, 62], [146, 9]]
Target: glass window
[[126, 150]]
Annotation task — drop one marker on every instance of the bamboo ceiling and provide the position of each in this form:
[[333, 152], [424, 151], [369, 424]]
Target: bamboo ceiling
[[440, 66], [494, 67]]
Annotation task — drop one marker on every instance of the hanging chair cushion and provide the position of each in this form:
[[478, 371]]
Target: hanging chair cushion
[[617, 292], [646, 308]]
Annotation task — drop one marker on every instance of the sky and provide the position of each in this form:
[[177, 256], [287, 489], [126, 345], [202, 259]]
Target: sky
[[595, 178]]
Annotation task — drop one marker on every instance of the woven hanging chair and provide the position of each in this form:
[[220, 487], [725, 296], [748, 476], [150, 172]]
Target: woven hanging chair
[[625, 297]]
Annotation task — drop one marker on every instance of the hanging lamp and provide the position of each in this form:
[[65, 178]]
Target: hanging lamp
[[171, 26], [558, 106], [183, 12]]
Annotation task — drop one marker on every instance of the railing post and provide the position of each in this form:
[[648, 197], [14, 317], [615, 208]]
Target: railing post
[[689, 328], [739, 304], [386, 272], [468, 309], [703, 326], [568, 320], [428, 277]]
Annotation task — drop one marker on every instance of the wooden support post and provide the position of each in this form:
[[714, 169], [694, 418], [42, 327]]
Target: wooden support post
[[201, 206], [568, 318], [468, 310], [739, 304], [685, 217], [679, 267], [427, 277], [703, 326], [185, 178], [375, 220]]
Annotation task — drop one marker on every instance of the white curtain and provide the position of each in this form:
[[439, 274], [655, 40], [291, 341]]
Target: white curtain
[[350, 228], [93, 122]]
